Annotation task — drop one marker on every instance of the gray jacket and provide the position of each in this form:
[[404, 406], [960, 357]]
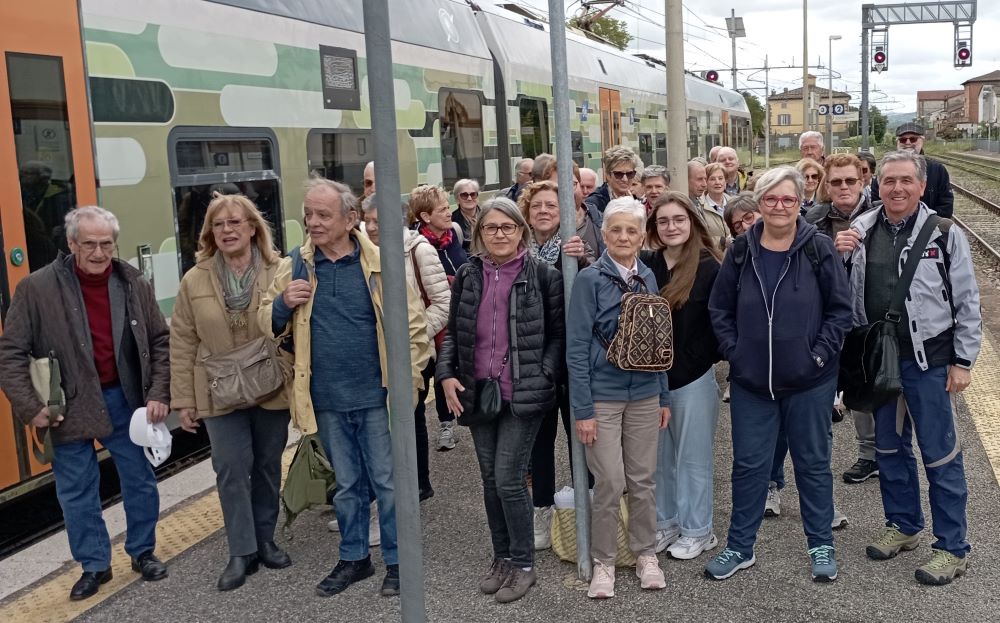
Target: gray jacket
[[928, 306]]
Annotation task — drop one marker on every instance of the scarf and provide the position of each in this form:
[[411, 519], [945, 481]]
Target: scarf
[[237, 290], [438, 242], [549, 251]]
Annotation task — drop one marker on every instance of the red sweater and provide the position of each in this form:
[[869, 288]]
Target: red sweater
[[97, 302]]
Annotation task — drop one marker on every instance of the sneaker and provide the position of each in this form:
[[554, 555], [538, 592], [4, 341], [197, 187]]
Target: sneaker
[[390, 583], [515, 584], [891, 542], [727, 563], [665, 537], [688, 547], [772, 507], [446, 436], [824, 565], [343, 575], [493, 580], [837, 415], [862, 470], [942, 568], [602, 585], [333, 526], [839, 519], [647, 569], [543, 527], [725, 395]]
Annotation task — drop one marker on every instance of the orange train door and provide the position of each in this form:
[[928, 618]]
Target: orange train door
[[611, 112], [46, 165]]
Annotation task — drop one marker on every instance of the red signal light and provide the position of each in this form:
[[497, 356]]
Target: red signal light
[[712, 75], [880, 57], [964, 54]]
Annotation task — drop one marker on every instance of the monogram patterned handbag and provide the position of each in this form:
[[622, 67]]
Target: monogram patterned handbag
[[644, 341]]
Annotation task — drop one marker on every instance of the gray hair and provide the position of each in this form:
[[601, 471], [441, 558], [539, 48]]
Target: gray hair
[[368, 206], [538, 165], [348, 202], [462, 184], [90, 213], [624, 205], [805, 136], [655, 170], [905, 155], [504, 206], [776, 176], [699, 161], [617, 155], [517, 167], [744, 202]]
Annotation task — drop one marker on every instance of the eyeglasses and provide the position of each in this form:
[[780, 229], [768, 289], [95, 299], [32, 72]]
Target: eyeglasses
[[468, 195], [90, 246], [623, 175], [812, 176], [749, 217], [837, 183], [865, 169], [231, 223], [678, 221], [492, 229], [907, 140], [548, 205], [786, 201]]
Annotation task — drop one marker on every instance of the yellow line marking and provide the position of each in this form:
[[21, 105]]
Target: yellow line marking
[[983, 399]]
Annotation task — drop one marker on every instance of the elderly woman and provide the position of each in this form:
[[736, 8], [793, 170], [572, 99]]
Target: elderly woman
[[621, 167], [715, 196], [685, 261], [741, 213], [780, 309], [655, 181], [618, 413], [812, 172], [467, 196], [214, 313], [498, 368]]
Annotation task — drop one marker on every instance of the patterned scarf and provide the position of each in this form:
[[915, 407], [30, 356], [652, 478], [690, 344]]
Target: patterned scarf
[[549, 251], [237, 290], [438, 242]]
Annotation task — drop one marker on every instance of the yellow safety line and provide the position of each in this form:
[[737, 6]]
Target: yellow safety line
[[983, 399]]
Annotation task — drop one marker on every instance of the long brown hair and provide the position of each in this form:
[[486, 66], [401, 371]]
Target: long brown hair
[[262, 231], [678, 290]]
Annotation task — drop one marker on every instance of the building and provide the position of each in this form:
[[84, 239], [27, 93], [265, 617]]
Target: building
[[786, 113], [981, 93], [941, 111]]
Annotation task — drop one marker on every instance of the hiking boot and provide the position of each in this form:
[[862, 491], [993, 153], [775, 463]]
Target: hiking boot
[[515, 584], [839, 519], [493, 580], [891, 542], [602, 584], [647, 569], [446, 436], [824, 565], [772, 507], [942, 568], [664, 538], [390, 583], [688, 547], [727, 563], [543, 527], [346, 572], [862, 470]]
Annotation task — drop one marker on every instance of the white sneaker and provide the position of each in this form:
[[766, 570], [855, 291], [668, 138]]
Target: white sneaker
[[839, 519], [688, 547], [374, 536], [446, 436], [543, 527], [772, 508], [665, 537], [602, 585], [647, 569], [333, 526]]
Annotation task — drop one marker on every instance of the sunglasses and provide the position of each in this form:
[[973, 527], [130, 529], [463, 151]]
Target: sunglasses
[[812, 176], [468, 195], [908, 140], [849, 181], [623, 175]]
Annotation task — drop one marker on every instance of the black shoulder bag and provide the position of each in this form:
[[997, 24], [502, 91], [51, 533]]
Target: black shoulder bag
[[869, 364]]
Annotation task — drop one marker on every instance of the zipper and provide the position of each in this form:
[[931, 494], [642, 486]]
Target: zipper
[[770, 319], [493, 338]]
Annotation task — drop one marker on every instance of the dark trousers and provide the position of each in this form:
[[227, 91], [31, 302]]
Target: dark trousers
[[420, 425], [440, 404], [543, 452], [246, 455], [503, 448]]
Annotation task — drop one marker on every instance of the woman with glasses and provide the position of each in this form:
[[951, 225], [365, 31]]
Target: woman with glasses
[[506, 336], [780, 308], [467, 196], [621, 168], [741, 213], [214, 313], [812, 173], [868, 165]]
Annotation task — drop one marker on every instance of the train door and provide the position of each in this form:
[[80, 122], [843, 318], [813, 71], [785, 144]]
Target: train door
[[611, 113], [46, 165]]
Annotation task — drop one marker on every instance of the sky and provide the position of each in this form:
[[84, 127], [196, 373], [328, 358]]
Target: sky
[[920, 56]]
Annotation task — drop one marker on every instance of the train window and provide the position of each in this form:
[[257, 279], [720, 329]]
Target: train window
[[576, 140], [340, 155], [646, 149], [225, 160], [534, 126], [43, 151], [661, 149], [131, 101], [460, 114]]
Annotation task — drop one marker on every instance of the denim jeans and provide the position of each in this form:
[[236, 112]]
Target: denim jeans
[[928, 412], [78, 483], [360, 452], [503, 448], [756, 419], [685, 458]]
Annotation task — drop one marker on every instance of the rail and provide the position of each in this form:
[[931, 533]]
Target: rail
[[976, 236]]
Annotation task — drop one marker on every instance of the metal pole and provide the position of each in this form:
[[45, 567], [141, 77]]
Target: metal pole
[[805, 65], [864, 81], [567, 229], [378, 47], [829, 93], [677, 149], [732, 35], [767, 116]]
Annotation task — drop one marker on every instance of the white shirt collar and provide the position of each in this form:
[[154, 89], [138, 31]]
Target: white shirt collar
[[626, 273]]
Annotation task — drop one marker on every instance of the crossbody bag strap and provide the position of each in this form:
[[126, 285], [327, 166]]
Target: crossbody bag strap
[[416, 275], [910, 269]]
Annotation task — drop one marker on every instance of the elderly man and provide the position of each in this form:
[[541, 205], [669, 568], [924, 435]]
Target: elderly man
[[655, 181], [369, 182], [697, 182], [522, 177], [736, 180], [588, 181], [713, 154], [811, 146], [939, 334], [328, 297], [621, 165], [937, 195], [100, 318]]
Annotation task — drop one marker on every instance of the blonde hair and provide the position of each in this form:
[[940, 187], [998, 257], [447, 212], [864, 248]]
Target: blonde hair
[[425, 198], [262, 236], [714, 167]]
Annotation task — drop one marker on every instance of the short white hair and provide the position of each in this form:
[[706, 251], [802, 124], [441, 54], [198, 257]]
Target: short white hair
[[805, 136], [624, 205], [90, 213]]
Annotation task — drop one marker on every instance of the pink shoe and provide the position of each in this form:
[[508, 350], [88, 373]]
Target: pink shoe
[[647, 569], [602, 584]]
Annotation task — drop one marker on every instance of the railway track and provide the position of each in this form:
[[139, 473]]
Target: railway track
[[980, 166], [980, 217]]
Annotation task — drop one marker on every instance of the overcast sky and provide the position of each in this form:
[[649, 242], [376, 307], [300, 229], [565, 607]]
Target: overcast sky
[[920, 56]]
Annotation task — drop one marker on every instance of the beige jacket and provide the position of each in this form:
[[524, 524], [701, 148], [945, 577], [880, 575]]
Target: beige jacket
[[199, 329], [432, 277]]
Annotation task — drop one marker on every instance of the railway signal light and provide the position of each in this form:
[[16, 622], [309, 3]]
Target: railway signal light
[[963, 54], [880, 60], [711, 75]]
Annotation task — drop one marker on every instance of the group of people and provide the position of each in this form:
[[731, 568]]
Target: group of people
[[762, 279]]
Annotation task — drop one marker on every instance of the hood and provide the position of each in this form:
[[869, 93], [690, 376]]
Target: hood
[[803, 232], [411, 239]]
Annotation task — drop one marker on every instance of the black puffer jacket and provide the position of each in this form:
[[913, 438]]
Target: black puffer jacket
[[537, 335]]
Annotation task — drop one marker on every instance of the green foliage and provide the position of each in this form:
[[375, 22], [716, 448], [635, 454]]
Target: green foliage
[[614, 30], [756, 113], [878, 123]]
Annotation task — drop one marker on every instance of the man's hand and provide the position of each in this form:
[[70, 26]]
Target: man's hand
[[847, 240], [189, 420], [296, 293], [41, 420], [156, 412], [664, 417], [586, 430], [958, 379]]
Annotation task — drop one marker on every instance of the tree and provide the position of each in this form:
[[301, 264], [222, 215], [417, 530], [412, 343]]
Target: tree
[[757, 113], [614, 30], [878, 123]]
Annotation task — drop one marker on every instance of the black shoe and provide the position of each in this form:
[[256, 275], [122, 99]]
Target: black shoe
[[346, 572], [861, 471], [151, 568], [838, 415], [390, 584], [88, 584], [426, 493], [273, 556], [236, 572]]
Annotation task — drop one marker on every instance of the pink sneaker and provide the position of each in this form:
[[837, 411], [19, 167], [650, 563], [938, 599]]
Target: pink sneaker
[[602, 584], [647, 569]]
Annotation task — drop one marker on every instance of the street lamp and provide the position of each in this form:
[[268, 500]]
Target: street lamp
[[829, 110], [736, 29]]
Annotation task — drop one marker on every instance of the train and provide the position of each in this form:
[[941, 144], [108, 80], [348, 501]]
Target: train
[[147, 107]]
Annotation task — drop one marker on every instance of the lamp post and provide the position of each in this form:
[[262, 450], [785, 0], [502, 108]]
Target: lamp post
[[829, 110]]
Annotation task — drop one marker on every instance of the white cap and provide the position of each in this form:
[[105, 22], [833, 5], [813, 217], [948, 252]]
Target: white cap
[[155, 439]]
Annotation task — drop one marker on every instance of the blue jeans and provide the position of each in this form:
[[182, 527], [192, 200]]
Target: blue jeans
[[78, 483], [685, 458], [928, 406], [503, 448], [757, 419], [360, 452]]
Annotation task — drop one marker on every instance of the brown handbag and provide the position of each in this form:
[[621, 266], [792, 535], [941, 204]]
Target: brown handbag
[[245, 376], [644, 341]]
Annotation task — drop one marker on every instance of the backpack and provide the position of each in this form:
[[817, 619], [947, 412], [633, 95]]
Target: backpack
[[309, 482], [741, 247], [644, 341]]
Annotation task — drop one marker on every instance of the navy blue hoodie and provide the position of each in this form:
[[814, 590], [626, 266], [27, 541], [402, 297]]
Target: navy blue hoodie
[[788, 344]]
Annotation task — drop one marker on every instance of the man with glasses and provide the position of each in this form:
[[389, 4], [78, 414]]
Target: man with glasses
[[937, 195], [522, 177], [369, 181], [621, 165], [811, 146], [101, 319]]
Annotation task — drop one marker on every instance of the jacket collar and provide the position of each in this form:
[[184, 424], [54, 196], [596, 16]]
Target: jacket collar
[[804, 230], [370, 260]]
